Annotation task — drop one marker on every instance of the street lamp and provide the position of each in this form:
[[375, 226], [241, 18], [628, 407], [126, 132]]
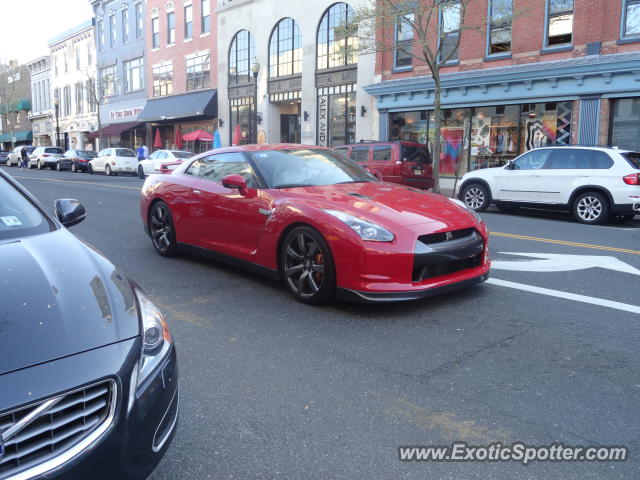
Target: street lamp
[[255, 69], [56, 104]]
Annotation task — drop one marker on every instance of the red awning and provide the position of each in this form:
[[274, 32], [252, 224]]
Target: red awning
[[114, 130], [198, 135]]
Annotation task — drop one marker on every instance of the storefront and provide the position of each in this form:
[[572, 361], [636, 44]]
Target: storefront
[[336, 115], [493, 115], [242, 128]]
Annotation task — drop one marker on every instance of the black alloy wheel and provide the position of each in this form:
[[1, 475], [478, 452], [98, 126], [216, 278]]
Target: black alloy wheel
[[307, 266], [162, 230]]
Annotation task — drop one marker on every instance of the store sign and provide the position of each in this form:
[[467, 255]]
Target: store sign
[[323, 113], [126, 113]]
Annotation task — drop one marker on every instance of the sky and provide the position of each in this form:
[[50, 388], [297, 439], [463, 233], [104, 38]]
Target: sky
[[27, 25]]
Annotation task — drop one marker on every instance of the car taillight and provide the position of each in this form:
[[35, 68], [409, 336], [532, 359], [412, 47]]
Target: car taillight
[[45, 154], [633, 179], [113, 162]]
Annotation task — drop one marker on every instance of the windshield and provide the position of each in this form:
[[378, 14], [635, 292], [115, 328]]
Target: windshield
[[124, 152], [633, 158], [182, 154], [87, 153], [308, 167], [18, 216], [53, 150]]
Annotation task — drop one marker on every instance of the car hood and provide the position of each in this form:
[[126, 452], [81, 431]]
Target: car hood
[[59, 297], [386, 204]]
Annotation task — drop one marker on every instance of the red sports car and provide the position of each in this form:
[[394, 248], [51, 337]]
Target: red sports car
[[320, 222]]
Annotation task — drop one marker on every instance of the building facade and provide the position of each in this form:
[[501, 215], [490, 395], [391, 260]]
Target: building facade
[[120, 49], [41, 116], [15, 104], [73, 65], [525, 74], [181, 73], [284, 78]]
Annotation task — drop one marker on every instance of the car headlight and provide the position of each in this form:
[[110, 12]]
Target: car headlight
[[470, 210], [366, 230], [156, 343]]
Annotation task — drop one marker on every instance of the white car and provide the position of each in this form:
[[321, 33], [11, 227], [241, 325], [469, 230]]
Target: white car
[[14, 157], [595, 183], [112, 161], [158, 158]]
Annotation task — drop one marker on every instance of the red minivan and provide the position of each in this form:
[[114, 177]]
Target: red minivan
[[398, 161]]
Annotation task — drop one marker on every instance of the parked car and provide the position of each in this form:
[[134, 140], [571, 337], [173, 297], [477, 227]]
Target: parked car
[[170, 158], [401, 162], [595, 183], [88, 370], [52, 157], [80, 159], [13, 159], [112, 161], [3, 157], [321, 222]]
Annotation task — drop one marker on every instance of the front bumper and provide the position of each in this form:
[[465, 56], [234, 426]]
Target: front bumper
[[135, 441]]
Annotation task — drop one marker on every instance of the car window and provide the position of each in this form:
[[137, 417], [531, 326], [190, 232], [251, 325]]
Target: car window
[[308, 167], [124, 152], [343, 150], [412, 153], [600, 160], [53, 150], [360, 154], [533, 160], [182, 154], [633, 158], [381, 153], [87, 153], [216, 167], [568, 159], [18, 216]]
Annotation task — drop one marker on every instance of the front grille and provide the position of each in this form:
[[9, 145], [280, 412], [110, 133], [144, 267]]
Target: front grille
[[442, 236], [52, 427], [445, 268]]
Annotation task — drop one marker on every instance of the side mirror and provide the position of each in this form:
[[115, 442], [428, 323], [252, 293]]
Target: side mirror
[[236, 182], [69, 212], [511, 165]]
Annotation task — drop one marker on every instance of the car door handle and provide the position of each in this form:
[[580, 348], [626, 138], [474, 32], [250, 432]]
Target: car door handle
[[197, 192]]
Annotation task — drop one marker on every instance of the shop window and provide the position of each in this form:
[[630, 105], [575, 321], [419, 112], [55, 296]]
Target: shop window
[[559, 22], [450, 30], [382, 153], [494, 135], [241, 55], [409, 126], [331, 52], [403, 49], [625, 124], [241, 130], [285, 49], [454, 153], [500, 18]]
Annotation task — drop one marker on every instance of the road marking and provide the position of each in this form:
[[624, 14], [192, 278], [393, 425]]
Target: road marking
[[563, 242], [78, 181], [553, 262], [566, 295]]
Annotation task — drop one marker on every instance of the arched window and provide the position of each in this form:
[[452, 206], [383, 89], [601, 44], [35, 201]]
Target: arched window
[[241, 54], [285, 49], [333, 53]]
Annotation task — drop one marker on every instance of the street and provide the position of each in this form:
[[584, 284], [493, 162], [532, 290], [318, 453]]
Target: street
[[545, 352]]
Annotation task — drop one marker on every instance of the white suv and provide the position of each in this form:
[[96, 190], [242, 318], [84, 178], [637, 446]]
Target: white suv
[[595, 183], [112, 161]]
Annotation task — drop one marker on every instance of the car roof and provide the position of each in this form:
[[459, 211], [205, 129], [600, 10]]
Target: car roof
[[380, 142], [585, 147]]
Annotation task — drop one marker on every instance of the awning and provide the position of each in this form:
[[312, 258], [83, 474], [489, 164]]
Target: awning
[[20, 137], [193, 104], [200, 135], [114, 129]]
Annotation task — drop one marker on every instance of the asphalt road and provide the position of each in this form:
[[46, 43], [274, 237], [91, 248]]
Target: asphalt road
[[271, 388]]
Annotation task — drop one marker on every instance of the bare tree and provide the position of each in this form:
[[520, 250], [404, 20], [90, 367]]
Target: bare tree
[[98, 90], [434, 29]]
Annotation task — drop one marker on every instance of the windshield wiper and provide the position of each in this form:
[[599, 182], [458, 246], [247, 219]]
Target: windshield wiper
[[292, 185], [353, 181]]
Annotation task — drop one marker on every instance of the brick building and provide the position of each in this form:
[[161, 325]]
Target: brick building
[[527, 73], [15, 104], [181, 71]]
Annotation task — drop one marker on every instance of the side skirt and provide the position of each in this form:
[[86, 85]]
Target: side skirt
[[229, 260]]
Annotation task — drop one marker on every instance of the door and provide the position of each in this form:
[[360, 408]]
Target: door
[[232, 222], [384, 161], [521, 183], [290, 128], [565, 169]]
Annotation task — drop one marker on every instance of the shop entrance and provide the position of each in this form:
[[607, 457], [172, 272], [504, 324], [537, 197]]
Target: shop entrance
[[289, 128]]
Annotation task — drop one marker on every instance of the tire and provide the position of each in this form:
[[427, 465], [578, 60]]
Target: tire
[[58, 167], [591, 208], [39, 165], [90, 169], [476, 196], [141, 172], [107, 170], [162, 230], [307, 266], [74, 169]]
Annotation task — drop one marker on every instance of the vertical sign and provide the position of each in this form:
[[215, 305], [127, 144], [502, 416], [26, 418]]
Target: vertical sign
[[323, 113]]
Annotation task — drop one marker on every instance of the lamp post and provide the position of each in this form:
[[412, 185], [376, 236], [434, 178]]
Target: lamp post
[[56, 105], [255, 69]]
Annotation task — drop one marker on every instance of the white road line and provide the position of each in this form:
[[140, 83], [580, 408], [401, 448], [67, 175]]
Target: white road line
[[566, 295]]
